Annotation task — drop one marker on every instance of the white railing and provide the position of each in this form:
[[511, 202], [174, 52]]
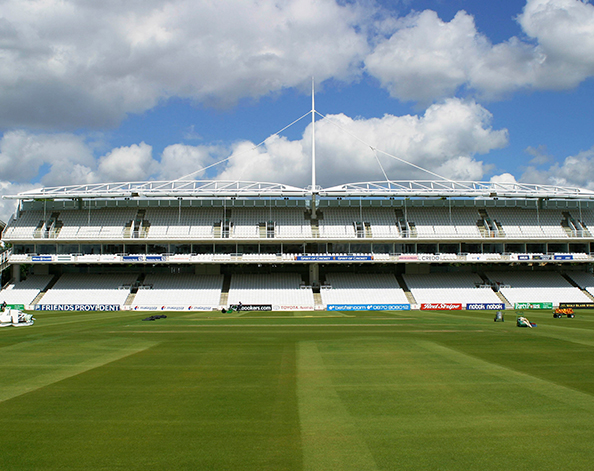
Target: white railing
[[9, 257]]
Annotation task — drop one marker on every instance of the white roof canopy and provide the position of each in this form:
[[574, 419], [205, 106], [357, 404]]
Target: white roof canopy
[[240, 189]]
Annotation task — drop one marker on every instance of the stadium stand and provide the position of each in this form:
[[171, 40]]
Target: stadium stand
[[175, 241], [583, 280], [460, 288], [283, 289], [352, 288], [536, 286], [179, 290], [169, 223], [24, 292], [76, 288]]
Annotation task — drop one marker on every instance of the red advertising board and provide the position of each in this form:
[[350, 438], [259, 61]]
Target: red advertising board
[[441, 307]]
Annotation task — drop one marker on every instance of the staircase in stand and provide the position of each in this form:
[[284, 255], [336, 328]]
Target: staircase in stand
[[49, 286], [134, 290], [130, 299], [315, 228], [318, 303], [411, 299], [502, 298], [573, 283], [224, 299]]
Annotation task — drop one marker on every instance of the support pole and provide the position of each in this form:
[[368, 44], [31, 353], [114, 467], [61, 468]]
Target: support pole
[[314, 274], [313, 151], [16, 273]]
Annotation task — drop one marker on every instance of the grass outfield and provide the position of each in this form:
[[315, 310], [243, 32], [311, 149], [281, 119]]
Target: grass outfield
[[297, 391]]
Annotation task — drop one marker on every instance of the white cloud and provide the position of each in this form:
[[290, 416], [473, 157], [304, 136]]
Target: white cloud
[[66, 64], [8, 206], [179, 160], [68, 159], [445, 139], [279, 160], [23, 155], [427, 58], [564, 30], [130, 163], [69, 64], [575, 171], [503, 178]]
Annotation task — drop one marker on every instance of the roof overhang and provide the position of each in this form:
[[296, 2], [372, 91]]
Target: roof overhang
[[164, 189], [455, 189], [239, 189]]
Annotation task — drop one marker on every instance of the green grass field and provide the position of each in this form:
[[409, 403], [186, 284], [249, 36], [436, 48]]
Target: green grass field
[[297, 391]]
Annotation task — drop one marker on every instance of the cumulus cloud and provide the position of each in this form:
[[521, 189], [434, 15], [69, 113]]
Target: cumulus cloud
[[67, 159], [131, 163], [22, 154], [8, 206], [427, 58], [70, 64], [445, 139], [179, 160], [279, 160], [575, 171], [503, 178], [564, 30], [67, 64]]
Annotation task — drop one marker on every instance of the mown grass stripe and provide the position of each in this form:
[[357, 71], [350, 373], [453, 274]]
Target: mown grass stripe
[[97, 354], [329, 435], [507, 375]]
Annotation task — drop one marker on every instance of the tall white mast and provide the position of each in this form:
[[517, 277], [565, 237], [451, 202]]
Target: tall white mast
[[313, 136], [313, 150]]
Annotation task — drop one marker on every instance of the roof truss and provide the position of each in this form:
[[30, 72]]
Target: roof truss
[[238, 189]]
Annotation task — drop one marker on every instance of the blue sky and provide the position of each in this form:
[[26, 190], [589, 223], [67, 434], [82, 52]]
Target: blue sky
[[472, 90]]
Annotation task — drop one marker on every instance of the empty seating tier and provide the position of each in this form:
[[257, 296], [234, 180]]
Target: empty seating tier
[[180, 290], [459, 288], [352, 288], [244, 223], [283, 290], [533, 286], [24, 292], [76, 288]]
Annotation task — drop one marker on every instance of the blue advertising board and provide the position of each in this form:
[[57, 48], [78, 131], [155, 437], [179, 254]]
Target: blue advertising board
[[42, 258], [155, 258], [77, 307], [563, 257], [133, 258], [368, 307]]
